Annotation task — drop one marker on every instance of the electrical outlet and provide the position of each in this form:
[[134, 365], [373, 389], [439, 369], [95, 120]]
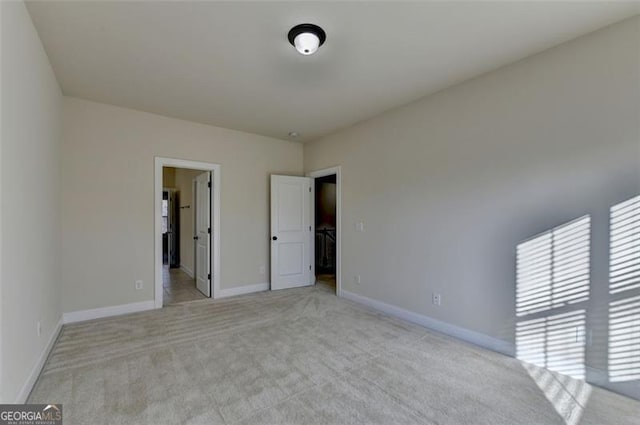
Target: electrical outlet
[[139, 285], [262, 270], [356, 279], [436, 298], [39, 328]]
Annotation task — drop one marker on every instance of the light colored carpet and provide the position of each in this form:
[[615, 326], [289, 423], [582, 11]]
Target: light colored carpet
[[300, 356]]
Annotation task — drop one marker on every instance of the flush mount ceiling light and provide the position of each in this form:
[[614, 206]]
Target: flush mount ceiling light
[[306, 38]]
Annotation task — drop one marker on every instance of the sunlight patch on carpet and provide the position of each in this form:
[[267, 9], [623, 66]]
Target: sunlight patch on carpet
[[568, 396]]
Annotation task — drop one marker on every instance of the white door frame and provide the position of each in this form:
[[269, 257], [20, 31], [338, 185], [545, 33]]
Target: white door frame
[[161, 162], [322, 173]]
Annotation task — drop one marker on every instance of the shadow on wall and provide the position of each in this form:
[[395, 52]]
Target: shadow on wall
[[552, 305], [552, 291], [624, 288]]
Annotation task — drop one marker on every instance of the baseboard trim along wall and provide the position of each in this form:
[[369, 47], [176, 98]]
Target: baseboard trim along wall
[[600, 378], [597, 376], [98, 313], [242, 290], [187, 270], [464, 334], [37, 368]]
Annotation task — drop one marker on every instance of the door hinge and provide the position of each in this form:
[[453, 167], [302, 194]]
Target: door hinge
[[209, 184], [209, 230], [309, 228], [209, 276], [309, 188], [309, 266]]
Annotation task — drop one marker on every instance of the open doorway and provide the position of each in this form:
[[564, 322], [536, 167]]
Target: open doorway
[[186, 219], [187, 241], [170, 225], [326, 234]]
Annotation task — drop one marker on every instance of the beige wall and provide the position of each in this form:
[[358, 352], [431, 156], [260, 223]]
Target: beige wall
[[29, 193], [184, 184], [107, 217], [446, 188], [449, 185], [168, 177]]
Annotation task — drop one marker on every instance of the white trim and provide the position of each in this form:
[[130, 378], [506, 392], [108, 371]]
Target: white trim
[[215, 169], [99, 313], [464, 334], [337, 170], [37, 368], [187, 270], [597, 376], [242, 290], [600, 378]]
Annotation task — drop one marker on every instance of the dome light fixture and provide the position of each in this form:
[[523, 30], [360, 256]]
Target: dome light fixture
[[306, 38]]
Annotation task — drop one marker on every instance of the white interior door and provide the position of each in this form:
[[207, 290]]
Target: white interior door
[[203, 233], [290, 231]]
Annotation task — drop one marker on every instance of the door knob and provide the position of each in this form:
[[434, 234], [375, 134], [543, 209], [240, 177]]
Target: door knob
[[195, 238], [275, 238]]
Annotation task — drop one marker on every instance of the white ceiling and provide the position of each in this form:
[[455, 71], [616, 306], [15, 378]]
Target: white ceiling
[[229, 63]]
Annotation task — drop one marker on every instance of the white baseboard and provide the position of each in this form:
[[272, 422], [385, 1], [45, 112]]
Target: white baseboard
[[600, 378], [597, 376], [37, 368], [242, 290], [187, 270], [464, 334], [98, 313]]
